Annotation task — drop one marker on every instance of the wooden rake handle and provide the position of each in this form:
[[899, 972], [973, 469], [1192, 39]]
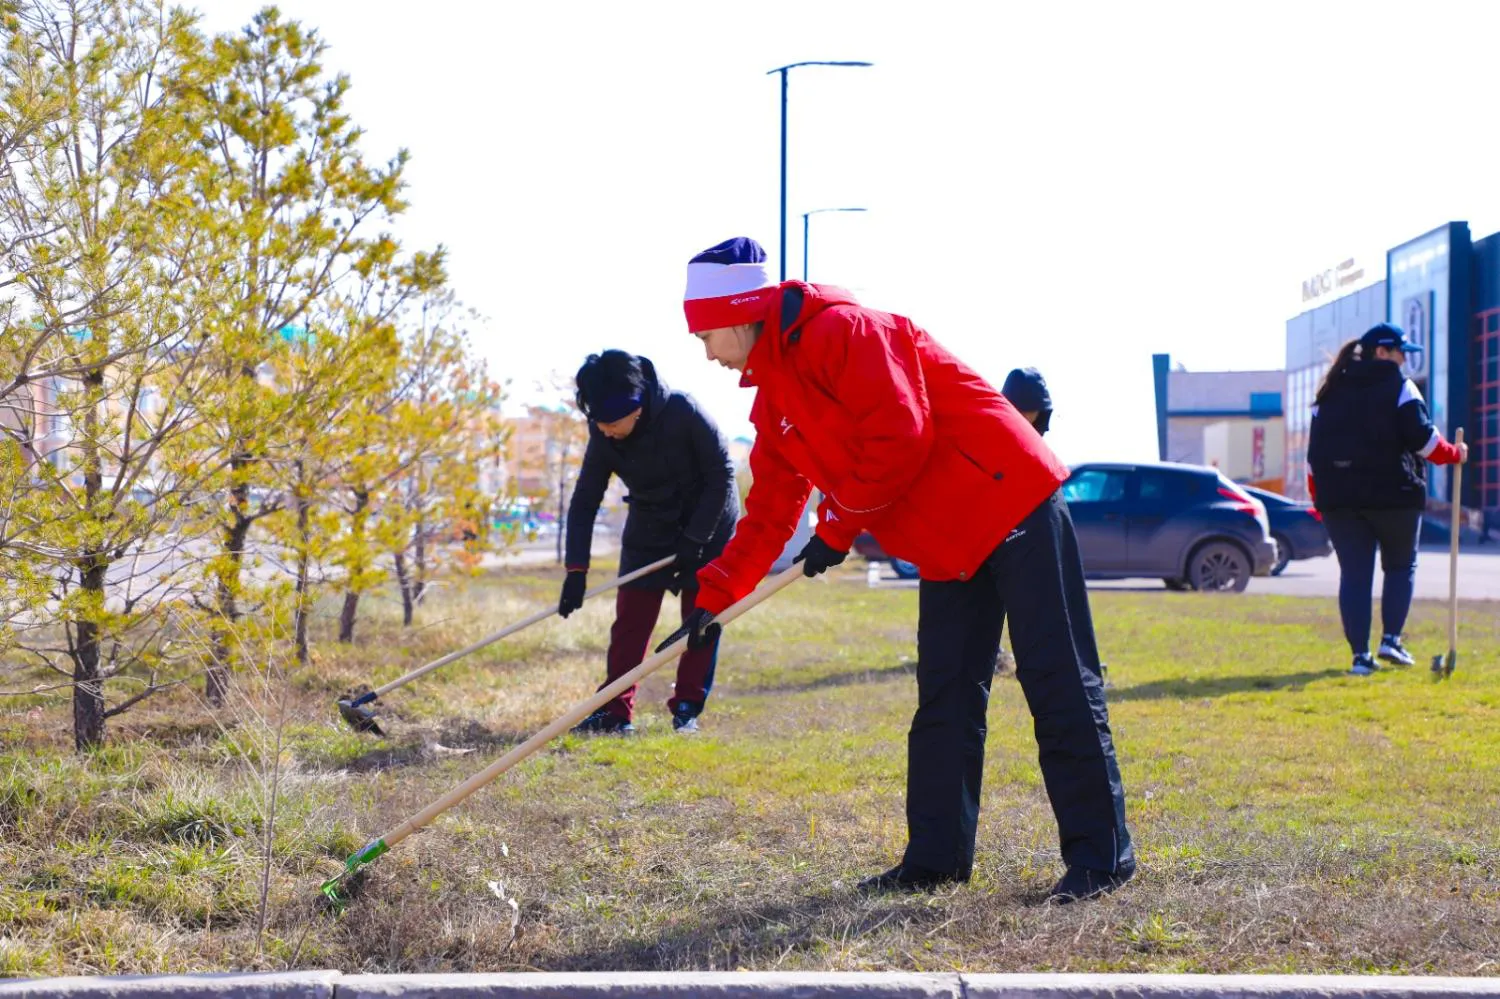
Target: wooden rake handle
[[1458, 478], [506, 632], [580, 711]]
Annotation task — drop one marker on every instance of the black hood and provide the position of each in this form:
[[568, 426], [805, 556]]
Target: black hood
[[654, 398], [1027, 391]]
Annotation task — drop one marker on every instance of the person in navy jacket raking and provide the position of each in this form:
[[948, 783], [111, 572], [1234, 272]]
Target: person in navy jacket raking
[[904, 440], [682, 501], [1367, 455]]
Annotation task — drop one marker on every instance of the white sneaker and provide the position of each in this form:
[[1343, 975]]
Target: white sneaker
[[1392, 651], [1363, 665]]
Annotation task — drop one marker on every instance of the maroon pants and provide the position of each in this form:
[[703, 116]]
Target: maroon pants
[[636, 612]]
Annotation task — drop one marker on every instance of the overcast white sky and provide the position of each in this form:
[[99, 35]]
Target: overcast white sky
[[1073, 186]]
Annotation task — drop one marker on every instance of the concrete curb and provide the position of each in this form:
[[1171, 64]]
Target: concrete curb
[[735, 985], [1222, 986], [651, 985], [270, 985]]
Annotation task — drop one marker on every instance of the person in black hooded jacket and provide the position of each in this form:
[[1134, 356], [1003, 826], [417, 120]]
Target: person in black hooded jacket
[[1027, 391], [1367, 454], [682, 501]]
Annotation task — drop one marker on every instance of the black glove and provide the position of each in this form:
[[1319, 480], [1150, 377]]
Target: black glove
[[700, 628], [689, 561], [817, 557], [572, 593], [689, 554]]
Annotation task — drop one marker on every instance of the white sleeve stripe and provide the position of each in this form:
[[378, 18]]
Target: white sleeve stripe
[[1409, 393], [1432, 443]]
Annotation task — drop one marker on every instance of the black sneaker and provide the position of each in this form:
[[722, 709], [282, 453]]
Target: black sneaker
[[1392, 651], [1082, 883], [685, 717], [602, 722], [907, 878]]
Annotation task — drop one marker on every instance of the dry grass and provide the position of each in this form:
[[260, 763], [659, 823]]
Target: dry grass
[[1288, 818]]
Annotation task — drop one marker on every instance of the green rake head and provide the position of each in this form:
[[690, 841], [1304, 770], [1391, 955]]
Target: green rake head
[[332, 889]]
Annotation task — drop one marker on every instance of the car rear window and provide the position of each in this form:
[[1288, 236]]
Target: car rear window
[[1159, 485]]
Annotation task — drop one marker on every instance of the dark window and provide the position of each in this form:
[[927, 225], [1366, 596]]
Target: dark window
[[1158, 487]]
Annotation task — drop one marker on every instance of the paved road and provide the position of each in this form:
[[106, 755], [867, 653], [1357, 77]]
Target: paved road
[[1478, 573], [1478, 578], [541, 553]]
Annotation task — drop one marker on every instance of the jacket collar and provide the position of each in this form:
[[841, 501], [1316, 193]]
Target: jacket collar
[[795, 305]]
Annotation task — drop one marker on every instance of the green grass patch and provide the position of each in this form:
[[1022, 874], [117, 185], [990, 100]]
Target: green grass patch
[[1288, 817]]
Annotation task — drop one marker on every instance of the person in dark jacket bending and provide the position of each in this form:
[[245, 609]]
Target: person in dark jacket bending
[[1367, 451], [682, 500]]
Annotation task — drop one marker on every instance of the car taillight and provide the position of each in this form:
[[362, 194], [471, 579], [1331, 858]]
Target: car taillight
[[1242, 503], [1312, 512]]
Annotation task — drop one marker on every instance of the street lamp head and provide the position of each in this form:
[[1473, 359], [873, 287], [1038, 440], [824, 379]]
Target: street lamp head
[[782, 69], [806, 227]]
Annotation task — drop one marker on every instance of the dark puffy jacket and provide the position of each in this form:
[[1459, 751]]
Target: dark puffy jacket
[[680, 480], [1369, 442]]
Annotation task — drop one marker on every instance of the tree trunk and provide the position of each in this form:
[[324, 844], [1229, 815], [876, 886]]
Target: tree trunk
[[216, 681], [303, 558], [236, 538], [88, 686], [419, 562], [404, 582], [348, 615]]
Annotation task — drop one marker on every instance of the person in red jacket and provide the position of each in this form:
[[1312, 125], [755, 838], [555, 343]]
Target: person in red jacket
[[904, 440]]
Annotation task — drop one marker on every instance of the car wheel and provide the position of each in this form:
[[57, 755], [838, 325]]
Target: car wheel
[[1219, 567], [1176, 585], [1283, 554], [904, 569]]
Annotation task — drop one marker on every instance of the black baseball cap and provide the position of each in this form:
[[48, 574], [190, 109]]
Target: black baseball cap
[[1391, 337]]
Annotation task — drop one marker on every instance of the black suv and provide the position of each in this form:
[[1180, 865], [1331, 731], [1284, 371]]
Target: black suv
[[1186, 524]]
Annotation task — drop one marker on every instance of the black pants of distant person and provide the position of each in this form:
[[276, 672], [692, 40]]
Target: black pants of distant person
[[1035, 579], [1356, 534]]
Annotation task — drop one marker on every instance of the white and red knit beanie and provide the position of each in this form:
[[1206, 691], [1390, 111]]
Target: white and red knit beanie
[[727, 285]]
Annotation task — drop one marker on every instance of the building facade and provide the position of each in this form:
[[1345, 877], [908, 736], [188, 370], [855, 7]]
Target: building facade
[[1229, 418], [1443, 289]]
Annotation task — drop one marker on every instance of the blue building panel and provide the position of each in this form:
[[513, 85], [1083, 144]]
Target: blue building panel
[[1443, 289]]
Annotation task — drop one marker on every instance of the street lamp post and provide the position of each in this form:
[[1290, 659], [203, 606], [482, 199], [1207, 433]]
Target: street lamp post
[[805, 217], [783, 70]]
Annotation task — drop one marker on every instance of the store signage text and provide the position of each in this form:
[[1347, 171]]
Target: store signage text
[[1331, 280]]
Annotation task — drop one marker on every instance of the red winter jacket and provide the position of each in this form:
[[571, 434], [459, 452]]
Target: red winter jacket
[[901, 438]]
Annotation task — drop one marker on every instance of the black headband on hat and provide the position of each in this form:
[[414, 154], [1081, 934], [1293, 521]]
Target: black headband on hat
[[616, 407]]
